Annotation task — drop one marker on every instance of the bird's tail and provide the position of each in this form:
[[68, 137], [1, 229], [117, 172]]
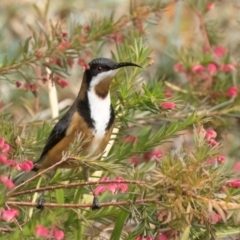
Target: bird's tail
[[23, 176]]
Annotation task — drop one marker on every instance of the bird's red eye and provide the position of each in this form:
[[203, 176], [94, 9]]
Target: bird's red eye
[[99, 69]]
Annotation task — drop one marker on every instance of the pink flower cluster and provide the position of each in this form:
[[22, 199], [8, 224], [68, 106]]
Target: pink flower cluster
[[153, 155], [111, 187], [219, 159], [9, 215], [214, 218], [54, 233], [215, 66], [210, 136], [168, 105], [4, 149]]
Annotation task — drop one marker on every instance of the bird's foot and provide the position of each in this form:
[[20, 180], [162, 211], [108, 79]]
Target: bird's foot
[[40, 203], [95, 205]]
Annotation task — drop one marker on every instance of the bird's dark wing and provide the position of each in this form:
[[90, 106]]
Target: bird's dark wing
[[57, 133]]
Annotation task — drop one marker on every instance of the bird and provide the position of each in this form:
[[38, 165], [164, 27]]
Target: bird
[[91, 115]]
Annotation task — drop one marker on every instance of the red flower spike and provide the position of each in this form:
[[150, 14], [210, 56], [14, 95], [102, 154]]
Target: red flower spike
[[152, 155], [131, 138], [212, 68], [63, 83], [220, 51], [221, 159], [3, 160], [134, 160], [10, 214], [18, 84], [5, 148], [227, 68], [168, 93], [213, 142], [210, 134], [209, 6], [178, 67], [198, 69], [58, 234], [168, 105], [41, 231], [112, 187], [9, 184], [27, 166], [214, 218], [162, 236], [232, 92], [99, 190], [234, 183]]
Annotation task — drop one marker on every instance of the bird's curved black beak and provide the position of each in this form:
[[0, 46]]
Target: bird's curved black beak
[[126, 64]]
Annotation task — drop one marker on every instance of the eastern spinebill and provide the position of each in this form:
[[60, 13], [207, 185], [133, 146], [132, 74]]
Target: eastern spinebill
[[91, 115]]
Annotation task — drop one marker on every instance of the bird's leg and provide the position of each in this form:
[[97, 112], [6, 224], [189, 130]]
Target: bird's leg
[[95, 204], [40, 201]]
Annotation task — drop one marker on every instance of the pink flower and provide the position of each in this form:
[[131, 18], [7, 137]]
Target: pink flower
[[213, 142], [3, 159], [198, 69], [221, 159], [10, 214], [237, 166], [152, 155], [210, 134], [234, 183], [131, 138], [6, 181], [58, 234], [226, 68], [121, 186], [178, 67], [232, 91], [209, 6], [18, 84], [9, 184], [112, 187], [168, 93], [212, 68], [11, 163], [210, 161], [5, 148], [104, 179], [168, 105], [134, 160], [162, 236], [99, 190], [214, 218], [27, 166], [41, 231], [219, 51], [63, 83]]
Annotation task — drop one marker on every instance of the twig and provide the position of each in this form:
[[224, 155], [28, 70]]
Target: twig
[[72, 185], [86, 205], [40, 173]]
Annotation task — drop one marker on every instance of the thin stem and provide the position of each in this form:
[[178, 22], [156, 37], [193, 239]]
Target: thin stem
[[72, 185], [85, 205]]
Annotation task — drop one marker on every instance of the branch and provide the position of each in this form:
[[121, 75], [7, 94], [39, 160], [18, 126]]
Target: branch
[[86, 205], [72, 185]]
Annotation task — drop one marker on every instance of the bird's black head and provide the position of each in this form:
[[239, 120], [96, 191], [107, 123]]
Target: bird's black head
[[101, 69]]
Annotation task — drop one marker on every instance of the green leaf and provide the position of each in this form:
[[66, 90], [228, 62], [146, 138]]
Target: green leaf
[[186, 233], [60, 195]]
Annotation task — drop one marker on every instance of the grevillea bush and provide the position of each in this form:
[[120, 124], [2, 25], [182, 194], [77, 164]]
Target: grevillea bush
[[171, 169]]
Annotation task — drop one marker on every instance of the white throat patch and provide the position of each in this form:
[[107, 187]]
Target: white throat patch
[[102, 76], [100, 108]]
